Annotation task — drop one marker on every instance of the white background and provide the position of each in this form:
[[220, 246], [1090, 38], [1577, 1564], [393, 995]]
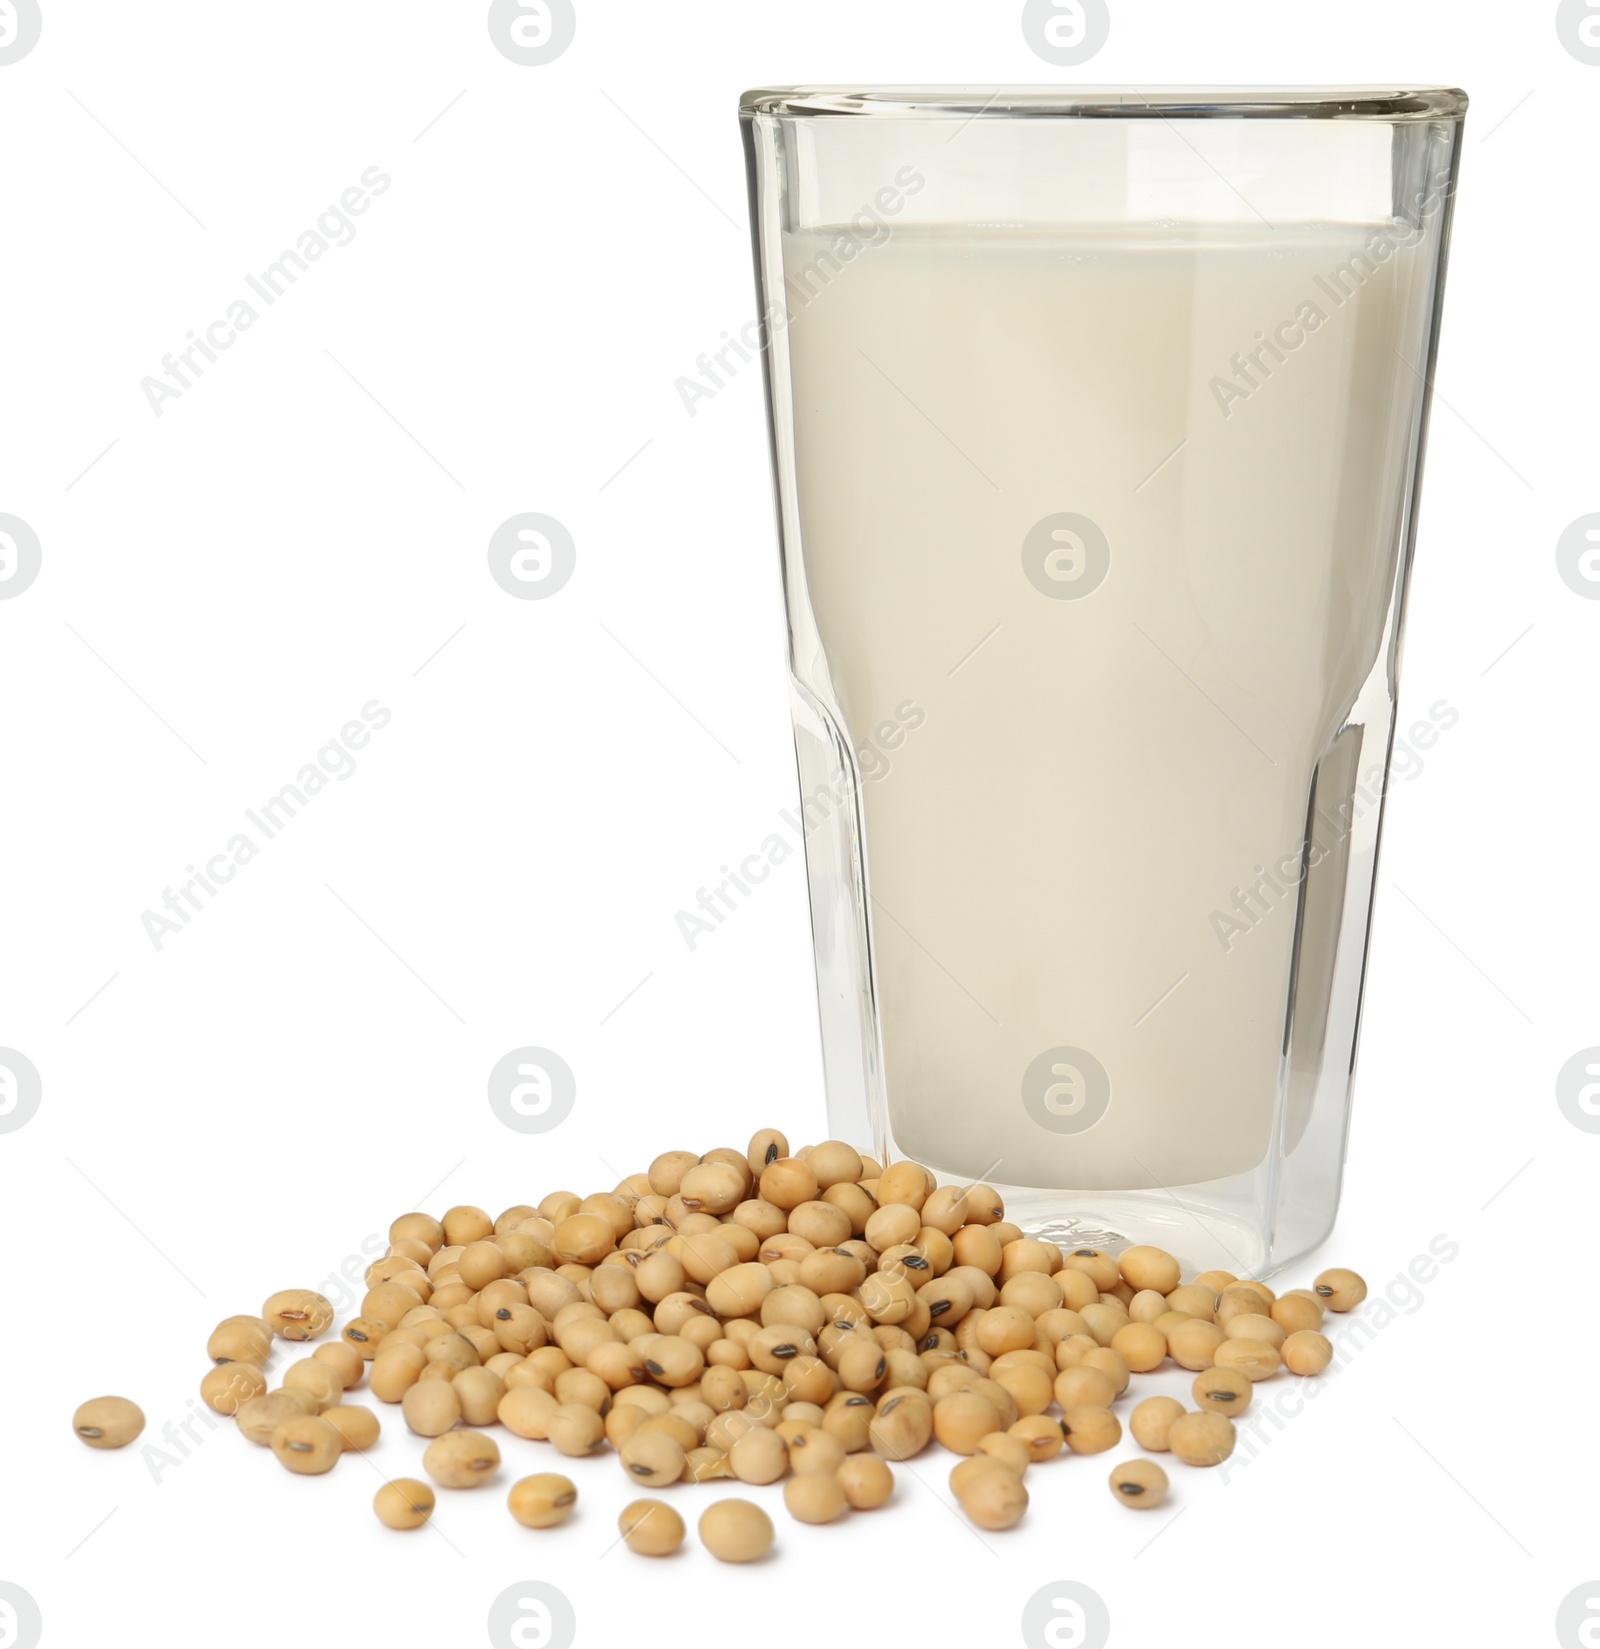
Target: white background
[[302, 532]]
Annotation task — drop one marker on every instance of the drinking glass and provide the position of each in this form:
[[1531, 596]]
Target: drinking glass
[[1098, 420]]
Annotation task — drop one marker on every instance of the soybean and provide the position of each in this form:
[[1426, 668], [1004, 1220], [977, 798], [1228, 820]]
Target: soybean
[[108, 1422], [461, 1459], [1139, 1483], [227, 1387], [297, 1314], [542, 1501], [866, 1480], [307, 1445], [1306, 1352], [817, 1497], [736, 1531], [1152, 1420], [1340, 1290], [1202, 1439], [1223, 1390], [995, 1499], [357, 1427], [651, 1528], [404, 1504], [259, 1417]]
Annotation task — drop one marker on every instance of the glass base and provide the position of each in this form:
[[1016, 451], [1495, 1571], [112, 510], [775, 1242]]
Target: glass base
[[1203, 1237], [1200, 1225]]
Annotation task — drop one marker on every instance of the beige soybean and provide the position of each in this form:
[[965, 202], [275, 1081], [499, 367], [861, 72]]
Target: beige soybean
[[891, 1227], [575, 1430], [905, 1182], [653, 1458], [404, 1504], [736, 1531], [461, 1459], [307, 1445], [319, 1379], [543, 1500], [454, 1349], [394, 1372], [1223, 1390], [786, 1184], [1110, 1361], [1306, 1352], [714, 1187], [814, 1451], [227, 1387], [1012, 1452], [421, 1228], [964, 1472], [479, 1391], [357, 1427], [1202, 1439], [902, 1425], [1084, 1384], [1100, 1269], [705, 1465], [1298, 1310], [1143, 1347], [297, 1314], [464, 1224], [738, 1291], [240, 1340], [994, 1499], [1237, 1301], [1193, 1301], [962, 1420], [1153, 1268], [1253, 1357], [817, 1497], [834, 1163], [1151, 1422], [1339, 1289], [108, 1422], [1041, 1435], [1090, 1429], [527, 1410], [430, 1408], [866, 1480], [1139, 1483], [760, 1456], [651, 1528], [1193, 1345], [1256, 1325], [1147, 1306], [344, 1360], [260, 1417]]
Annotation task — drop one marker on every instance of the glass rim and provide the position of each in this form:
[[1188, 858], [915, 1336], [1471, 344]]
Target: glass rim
[[1379, 103]]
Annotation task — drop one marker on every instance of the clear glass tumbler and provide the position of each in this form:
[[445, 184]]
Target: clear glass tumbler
[[1098, 420]]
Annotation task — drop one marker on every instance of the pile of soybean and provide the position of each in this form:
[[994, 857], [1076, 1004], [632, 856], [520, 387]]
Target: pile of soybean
[[758, 1316]]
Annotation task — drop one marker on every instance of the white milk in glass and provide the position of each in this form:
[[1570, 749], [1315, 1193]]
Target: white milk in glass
[[1063, 850]]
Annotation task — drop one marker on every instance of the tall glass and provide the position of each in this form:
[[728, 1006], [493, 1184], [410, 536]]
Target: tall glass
[[1098, 420]]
